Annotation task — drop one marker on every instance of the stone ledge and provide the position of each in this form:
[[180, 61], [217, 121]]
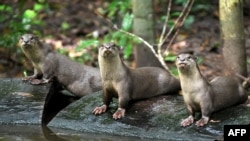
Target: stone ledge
[[154, 118]]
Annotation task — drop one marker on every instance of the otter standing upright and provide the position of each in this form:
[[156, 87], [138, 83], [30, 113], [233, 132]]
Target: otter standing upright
[[130, 84], [203, 96], [36, 52], [77, 78]]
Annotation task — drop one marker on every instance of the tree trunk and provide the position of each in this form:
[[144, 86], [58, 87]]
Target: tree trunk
[[143, 26], [233, 37]]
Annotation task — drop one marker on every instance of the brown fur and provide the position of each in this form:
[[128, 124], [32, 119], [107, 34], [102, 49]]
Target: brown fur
[[203, 96], [130, 84], [75, 77]]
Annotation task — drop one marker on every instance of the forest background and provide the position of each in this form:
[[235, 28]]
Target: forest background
[[77, 27]]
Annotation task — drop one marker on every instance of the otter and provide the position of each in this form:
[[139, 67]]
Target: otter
[[206, 97], [128, 84], [77, 78]]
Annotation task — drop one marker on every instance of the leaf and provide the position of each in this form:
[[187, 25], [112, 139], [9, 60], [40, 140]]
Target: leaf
[[86, 43], [38, 6], [127, 21], [200, 60], [248, 60], [29, 14], [128, 51], [173, 71], [175, 14], [170, 58], [112, 8], [5, 8], [170, 23], [65, 25], [189, 20]]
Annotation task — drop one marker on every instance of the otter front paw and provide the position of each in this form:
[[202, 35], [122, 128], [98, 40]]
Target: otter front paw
[[203, 121], [28, 78], [35, 81], [100, 110], [120, 112], [38, 81], [188, 121]]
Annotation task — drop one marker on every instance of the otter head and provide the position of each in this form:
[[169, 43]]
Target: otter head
[[28, 40], [109, 50], [186, 61]]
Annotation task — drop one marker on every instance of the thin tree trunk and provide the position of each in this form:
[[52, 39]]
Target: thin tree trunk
[[233, 37], [143, 26]]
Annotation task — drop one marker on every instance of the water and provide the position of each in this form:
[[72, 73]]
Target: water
[[37, 133]]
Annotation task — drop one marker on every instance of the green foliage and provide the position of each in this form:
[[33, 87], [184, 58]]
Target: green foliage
[[122, 39], [189, 21], [119, 11], [65, 26], [29, 14], [62, 51], [40, 6], [88, 44], [200, 60], [173, 70], [17, 22], [201, 5], [248, 60], [14, 23], [170, 58], [118, 8], [122, 9], [127, 22]]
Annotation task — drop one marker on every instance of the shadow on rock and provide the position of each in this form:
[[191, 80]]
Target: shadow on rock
[[55, 101]]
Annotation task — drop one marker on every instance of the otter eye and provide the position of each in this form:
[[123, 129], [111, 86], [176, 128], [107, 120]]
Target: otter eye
[[101, 46], [189, 57]]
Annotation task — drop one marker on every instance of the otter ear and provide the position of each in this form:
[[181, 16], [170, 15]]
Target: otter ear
[[35, 37], [101, 45], [20, 38], [113, 44], [121, 49], [195, 58]]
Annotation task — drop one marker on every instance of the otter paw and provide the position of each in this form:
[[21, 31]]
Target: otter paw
[[28, 78], [120, 112], [188, 121], [203, 121], [100, 110], [35, 81]]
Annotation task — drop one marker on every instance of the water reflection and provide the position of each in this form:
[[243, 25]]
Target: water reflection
[[50, 135], [43, 133]]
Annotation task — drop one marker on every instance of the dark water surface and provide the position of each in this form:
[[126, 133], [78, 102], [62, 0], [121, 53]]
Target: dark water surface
[[37, 133]]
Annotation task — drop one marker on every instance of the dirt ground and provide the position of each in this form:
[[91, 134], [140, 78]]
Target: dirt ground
[[202, 37]]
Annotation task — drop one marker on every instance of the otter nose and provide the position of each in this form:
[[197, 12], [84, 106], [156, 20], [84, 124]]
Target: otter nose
[[25, 41], [181, 59], [108, 47]]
